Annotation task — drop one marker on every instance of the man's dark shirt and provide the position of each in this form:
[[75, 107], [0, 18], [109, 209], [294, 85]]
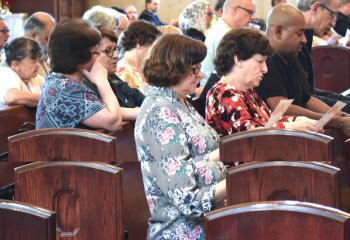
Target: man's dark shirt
[[342, 24], [150, 17], [287, 79]]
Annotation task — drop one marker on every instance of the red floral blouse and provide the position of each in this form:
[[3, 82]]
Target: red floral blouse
[[230, 111]]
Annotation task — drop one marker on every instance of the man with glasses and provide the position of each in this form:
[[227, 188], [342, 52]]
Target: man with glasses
[[236, 14], [4, 35], [319, 16]]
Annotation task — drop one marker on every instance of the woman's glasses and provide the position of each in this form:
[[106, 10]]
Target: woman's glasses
[[196, 69], [110, 51]]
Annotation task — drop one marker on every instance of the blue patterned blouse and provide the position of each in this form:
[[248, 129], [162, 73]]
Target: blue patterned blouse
[[173, 142], [65, 103]]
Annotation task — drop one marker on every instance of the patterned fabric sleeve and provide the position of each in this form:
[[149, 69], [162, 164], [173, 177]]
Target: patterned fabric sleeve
[[187, 181], [132, 77]]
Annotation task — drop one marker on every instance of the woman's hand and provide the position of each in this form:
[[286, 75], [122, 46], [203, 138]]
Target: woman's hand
[[97, 72], [301, 123]]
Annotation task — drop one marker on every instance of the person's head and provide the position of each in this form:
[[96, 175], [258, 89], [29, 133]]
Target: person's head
[[276, 2], [4, 33], [38, 27], [73, 45], [132, 12], [320, 15], [139, 36], [243, 52], [174, 61], [23, 57], [195, 34], [218, 8], [196, 15], [238, 13], [285, 29], [98, 17], [345, 7], [108, 50], [152, 5]]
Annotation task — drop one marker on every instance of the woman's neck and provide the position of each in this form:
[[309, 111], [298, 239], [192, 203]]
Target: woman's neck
[[131, 58], [234, 80], [76, 76]]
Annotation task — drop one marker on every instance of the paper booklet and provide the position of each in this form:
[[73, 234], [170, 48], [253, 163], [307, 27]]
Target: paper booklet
[[329, 115], [281, 108]]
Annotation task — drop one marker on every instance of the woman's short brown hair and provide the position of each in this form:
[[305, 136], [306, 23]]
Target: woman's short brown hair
[[171, 58], [70, 43], [139, 32], [243, 43]]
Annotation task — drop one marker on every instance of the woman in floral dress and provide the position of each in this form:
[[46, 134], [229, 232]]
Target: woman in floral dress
[[232, 103], [182, 175]]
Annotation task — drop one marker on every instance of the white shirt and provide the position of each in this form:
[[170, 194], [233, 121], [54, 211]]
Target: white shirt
[[212, 41], [9, 79]]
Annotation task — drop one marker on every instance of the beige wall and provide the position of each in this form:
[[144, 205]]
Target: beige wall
[[172, 8]]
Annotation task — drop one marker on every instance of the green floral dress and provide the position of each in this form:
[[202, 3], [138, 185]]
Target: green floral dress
[[173, 142]]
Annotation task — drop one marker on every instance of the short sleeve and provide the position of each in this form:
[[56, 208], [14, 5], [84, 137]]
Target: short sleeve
[[8, 80]]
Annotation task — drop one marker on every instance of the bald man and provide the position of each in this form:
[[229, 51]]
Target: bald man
[[287, 78], [38, 27], [236, 14]]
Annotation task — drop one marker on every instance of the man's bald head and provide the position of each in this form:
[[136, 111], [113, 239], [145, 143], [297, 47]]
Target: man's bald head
[[38, 27], [285, 29], [285, 15]]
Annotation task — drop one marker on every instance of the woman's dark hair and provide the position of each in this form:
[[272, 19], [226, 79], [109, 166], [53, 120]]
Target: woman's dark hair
[[171, 58], [139, 32], [195, 34], [21, 48], [107, 33], [243, 43], [70, 43]]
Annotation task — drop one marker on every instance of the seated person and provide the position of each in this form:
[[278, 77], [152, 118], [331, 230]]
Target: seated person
[[232, 103], [20, 83], [77, 90], [183, 177], [128, 98], [289, 70], [135, 41]]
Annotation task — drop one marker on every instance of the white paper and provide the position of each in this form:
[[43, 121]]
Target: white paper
[[329, 115], [281, 108]]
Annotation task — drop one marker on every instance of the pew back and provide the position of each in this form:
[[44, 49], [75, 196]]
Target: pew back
[[274, 145], [270, 181], [20, 221], [287, 220], [87, 197], [331, 67]]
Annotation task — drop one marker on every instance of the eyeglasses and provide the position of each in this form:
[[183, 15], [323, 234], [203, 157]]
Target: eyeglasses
[[196, 69], [249, 11], [110, 51], [4, 30], [331, 12]]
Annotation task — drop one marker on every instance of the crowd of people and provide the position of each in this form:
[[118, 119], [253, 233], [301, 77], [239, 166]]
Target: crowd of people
[[115, 65]]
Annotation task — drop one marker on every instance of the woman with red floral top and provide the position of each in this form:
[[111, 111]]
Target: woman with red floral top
[[232, 104]]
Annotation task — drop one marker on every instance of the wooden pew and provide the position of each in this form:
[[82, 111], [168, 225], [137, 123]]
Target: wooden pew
[[134, 199], [86, 196], [282, 180], [287, 220], [276, 144], [20, 221], [11, 121], [59, 144], [331, 67]]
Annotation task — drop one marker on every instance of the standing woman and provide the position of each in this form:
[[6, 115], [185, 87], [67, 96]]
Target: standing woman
[[178, 151], [77, 91]]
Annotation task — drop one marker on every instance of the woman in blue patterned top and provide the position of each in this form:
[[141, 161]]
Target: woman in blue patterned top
[[182, 175], [77, 91]]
